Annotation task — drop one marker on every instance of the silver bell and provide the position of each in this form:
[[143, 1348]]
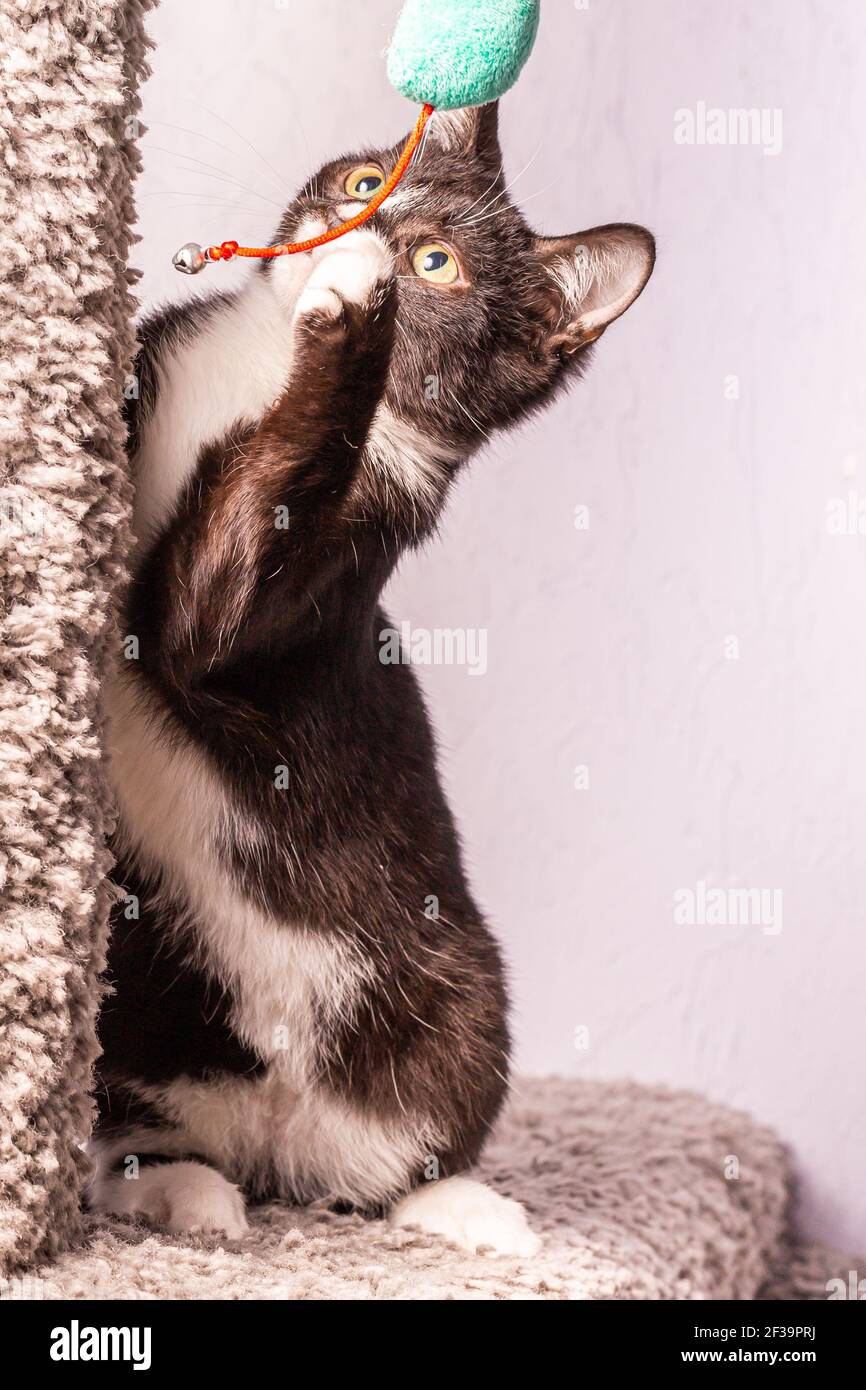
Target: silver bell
[[190, 258]]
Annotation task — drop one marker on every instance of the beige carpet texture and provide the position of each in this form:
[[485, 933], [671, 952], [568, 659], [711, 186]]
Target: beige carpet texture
[[628, 1186], [67, 154]]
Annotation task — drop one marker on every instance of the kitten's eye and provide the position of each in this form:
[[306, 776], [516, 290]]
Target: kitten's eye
[[434, 262], [364, 182]]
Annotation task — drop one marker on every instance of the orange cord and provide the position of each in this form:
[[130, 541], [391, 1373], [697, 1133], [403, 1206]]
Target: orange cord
[[228, 249]]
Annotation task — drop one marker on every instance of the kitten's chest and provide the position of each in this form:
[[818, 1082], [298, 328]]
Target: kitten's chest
[[284, 979], [224, 374]]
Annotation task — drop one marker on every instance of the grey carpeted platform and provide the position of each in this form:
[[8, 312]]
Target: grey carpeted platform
[[626, 1183]]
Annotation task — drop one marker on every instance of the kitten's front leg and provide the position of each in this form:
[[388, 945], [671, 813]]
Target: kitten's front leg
[[240, 572], [343, 325]]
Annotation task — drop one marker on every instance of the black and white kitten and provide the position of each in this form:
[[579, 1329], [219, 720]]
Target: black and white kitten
[[288, 1017]]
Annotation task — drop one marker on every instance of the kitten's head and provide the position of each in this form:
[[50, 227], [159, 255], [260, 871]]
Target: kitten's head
[[491, 317]]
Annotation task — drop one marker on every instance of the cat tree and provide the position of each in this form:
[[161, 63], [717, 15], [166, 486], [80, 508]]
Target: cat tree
[[68, 126]]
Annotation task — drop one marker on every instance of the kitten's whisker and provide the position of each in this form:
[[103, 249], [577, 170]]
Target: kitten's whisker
[[215, 200], [471, 221], [523, 202], [471, 420], [226, 149], [479, 216], [213, 172], [419, 153], [250, 146], [229, 183], [496, 177], [294, 109], [221, 210]]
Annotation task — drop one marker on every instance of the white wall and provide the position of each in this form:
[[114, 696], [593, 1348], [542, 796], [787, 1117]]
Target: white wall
[[707, 520]]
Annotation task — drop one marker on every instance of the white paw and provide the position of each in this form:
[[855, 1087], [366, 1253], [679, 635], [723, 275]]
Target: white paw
[[181, 1196], [346, 270], [469, 1214], [289, 274]]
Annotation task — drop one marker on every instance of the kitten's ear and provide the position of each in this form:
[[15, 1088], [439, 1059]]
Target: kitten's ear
[[595, 276], [470, 130]]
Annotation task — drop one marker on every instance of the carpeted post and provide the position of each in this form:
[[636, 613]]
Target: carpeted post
[[68, 102]]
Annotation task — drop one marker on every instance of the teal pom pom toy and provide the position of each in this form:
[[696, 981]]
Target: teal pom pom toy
[[445, 54], [452, 53]]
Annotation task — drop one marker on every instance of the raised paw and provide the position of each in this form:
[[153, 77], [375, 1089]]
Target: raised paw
[[345, 272], [184, 1196], [468, 1214]]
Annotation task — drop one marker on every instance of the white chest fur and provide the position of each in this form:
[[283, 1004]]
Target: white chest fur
[[286, 983], [228, 373], [284, 979]]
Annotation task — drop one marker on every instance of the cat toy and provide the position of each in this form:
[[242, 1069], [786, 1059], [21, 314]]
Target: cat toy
[[444, 54]]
